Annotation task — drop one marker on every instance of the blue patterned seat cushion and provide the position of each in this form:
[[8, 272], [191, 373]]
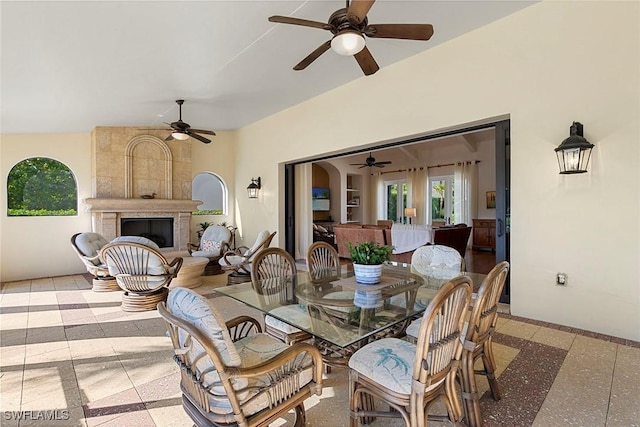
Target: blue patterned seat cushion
[[388, 362]]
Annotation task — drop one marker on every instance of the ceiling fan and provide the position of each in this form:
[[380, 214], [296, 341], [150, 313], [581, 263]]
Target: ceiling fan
[[349, 25], [371, 162], [182, 130]]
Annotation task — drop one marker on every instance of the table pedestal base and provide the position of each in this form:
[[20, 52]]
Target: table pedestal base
[[190, 274]]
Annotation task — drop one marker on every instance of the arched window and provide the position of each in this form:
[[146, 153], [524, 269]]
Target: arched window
[[40, 186], [212, 190]]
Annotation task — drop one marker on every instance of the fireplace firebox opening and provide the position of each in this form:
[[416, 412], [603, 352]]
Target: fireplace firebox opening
[[159, 230]]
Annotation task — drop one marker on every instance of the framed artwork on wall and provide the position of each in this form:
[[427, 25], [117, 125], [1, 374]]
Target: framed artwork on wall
[[491, 199]]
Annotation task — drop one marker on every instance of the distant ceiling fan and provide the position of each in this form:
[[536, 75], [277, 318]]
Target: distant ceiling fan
[[182, 130], [349, 26], [371, 163]]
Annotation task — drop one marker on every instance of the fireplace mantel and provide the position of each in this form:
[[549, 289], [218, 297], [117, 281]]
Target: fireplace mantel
[[140, 205], [107, 215]]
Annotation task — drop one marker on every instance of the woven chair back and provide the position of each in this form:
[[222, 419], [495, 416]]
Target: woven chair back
[[322, 260], [439, 344], [436, 256], [485, 308]]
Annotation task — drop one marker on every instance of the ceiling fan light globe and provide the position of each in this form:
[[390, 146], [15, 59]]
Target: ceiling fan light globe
[[180, 136], [347, 43]]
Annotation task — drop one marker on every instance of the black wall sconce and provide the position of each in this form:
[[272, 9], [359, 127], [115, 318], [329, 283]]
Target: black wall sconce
[[254, 188], [574, 152]]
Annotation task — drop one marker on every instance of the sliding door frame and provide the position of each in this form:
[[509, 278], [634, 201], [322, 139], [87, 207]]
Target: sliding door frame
[[503, 200]]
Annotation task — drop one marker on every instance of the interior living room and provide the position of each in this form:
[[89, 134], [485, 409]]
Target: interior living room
[[93, 85]]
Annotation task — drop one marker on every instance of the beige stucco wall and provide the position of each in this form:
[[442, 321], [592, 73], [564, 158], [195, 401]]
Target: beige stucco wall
[[544, 67], [40, 246], [32, 247]]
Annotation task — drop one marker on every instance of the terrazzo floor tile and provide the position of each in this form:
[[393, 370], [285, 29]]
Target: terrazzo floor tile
[[624, 409], [524, 384], [115, 407], [119, 365], [554, 338], [101, 379], [518, 329]]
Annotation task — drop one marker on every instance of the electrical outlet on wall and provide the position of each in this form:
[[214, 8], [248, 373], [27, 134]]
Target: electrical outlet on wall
[[561, 279]]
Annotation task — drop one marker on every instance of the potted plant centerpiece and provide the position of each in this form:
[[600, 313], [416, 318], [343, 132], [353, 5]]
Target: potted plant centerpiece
[[368, 258]]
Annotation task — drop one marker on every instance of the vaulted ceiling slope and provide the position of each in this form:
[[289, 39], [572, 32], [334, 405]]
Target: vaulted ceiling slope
[[70, 66]]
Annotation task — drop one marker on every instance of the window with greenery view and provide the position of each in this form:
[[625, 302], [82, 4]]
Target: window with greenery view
[[212, 190], [396, 195], [441, 194], [40, 186]]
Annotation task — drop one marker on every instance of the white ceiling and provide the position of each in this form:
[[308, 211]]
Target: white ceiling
[[70, 66]]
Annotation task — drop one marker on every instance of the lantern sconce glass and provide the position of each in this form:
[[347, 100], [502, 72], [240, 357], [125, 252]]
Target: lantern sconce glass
[[574, 152], [410, 212], [254, 187]]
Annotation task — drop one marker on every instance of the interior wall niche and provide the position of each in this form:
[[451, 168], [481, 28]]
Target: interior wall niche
[[148, 168]]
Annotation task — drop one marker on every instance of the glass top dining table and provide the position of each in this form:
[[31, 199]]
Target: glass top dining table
[[342, 312]]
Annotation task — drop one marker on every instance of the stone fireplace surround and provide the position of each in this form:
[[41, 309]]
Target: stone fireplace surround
[[128, 163]]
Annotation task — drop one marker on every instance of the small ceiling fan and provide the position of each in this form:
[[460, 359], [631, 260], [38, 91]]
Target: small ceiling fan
[[349, 25], [182, 130], [371, 163]]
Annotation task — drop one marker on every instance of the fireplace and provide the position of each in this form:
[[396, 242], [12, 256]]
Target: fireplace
[[159, 230], [141, 186]]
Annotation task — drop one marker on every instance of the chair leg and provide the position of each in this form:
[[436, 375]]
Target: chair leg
[[300, 416], [470, 391], [353, 400], [451, 399], [489, 362]]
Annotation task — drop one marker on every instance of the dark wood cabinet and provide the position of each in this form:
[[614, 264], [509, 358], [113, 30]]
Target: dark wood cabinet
[[484, 234]]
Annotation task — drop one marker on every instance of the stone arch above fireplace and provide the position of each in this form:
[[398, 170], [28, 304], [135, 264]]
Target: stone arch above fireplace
[[148, 168]]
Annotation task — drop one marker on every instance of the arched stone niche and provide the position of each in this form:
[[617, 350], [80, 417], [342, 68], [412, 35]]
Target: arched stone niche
[[148, 168]]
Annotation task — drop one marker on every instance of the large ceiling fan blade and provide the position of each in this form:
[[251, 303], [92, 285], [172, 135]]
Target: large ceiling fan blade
[[363, 166], [169, 138], [400, 31], [367, 63], [199, 137], [358, 10], [297, 21], [206, 132], [383, 163], [313, 56]]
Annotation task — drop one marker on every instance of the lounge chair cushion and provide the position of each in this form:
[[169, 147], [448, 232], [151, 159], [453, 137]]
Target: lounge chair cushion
[[90, 244]]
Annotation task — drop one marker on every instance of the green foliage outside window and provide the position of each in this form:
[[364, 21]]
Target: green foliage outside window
[[208, 212], [41, 187]]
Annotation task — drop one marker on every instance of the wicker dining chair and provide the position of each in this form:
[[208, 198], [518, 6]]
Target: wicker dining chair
[[231, 373], [238, 261], [140, 270], [411, 377], [478, 342], [273, 273], [428, 257], [87, 246], [214, 242], [322, 260]]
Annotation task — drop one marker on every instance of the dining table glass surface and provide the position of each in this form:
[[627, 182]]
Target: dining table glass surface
[[337, 309]]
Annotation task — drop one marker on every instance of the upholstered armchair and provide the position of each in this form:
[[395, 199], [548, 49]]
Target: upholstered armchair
[[238, 261], [140, 270], [214, 242], [87, 246], [231, 373]]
